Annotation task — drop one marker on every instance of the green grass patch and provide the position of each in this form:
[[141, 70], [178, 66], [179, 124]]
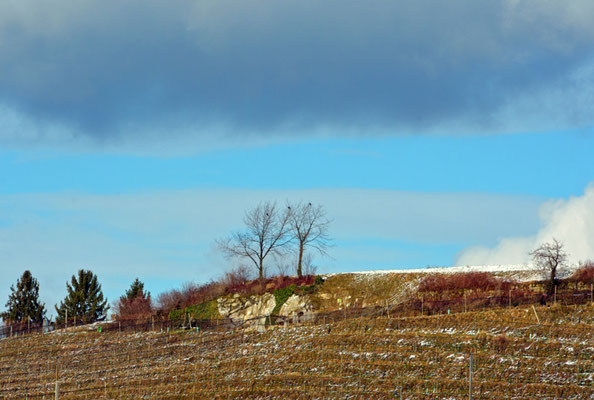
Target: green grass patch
[[207, 310], [282, 295]]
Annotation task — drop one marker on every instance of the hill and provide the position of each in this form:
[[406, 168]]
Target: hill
[[344, 336]]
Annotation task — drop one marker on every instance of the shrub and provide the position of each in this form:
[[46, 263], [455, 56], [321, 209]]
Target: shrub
[[135, 304], [281, 296], [483, 281], [585, 273], [260, 286], [190, 294], [236, 277], [133, 309], [207, 310]]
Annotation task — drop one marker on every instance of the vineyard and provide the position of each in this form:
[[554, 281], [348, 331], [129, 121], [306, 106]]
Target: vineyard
[[521, 352]]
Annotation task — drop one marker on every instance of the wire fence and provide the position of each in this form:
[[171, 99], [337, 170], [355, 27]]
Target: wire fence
[[421, 304]]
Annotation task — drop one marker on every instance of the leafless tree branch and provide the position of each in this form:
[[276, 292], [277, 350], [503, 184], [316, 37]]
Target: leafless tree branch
[[550, 258], [309, 226], [266, 232]]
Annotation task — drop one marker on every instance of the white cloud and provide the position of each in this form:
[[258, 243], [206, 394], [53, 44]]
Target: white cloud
[[570, 221]]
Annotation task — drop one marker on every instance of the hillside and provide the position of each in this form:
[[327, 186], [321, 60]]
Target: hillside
[[368, 357], [355, 335]]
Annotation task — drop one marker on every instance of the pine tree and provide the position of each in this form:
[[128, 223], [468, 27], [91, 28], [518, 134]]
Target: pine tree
[[136, 290], [135, 304], [84, 299], [23, 303]]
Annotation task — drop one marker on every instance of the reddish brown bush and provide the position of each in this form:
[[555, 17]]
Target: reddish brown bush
[[479, 281], [133, 309], [269, 285], [236, 277], [190, 293], [585, 273], [235, 281]]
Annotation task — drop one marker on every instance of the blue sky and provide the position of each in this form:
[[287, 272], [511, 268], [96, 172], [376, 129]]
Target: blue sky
[[132, 135]]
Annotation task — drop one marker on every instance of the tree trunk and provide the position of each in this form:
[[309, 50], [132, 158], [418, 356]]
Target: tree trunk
[[299, 268], [261, 270]]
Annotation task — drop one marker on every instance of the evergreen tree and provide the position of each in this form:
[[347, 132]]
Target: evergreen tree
[[136, 290], [23, 303], [84, 299], [135, 304]]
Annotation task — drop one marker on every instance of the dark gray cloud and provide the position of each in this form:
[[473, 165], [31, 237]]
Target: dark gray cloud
[[104, 69]]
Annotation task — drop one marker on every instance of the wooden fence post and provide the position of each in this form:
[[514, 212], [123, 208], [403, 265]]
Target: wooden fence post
[[534, 309], [470, 377], [57, 384], [465, 309]]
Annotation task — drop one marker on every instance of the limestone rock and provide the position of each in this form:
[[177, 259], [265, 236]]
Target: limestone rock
[[252, 309], [297, 309]]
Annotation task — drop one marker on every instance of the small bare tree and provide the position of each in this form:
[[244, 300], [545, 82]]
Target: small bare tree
[[309, 268], [550, 258], [266, 232], [309, 226]]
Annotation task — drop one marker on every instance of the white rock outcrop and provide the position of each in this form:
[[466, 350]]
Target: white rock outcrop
[[297, 309], [253, 309]]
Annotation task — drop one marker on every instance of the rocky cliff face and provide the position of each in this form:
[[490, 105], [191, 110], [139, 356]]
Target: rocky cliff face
[[251, 309], [298, 308], [254, 310]]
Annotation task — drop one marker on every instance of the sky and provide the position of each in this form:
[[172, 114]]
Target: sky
[[134, 134]]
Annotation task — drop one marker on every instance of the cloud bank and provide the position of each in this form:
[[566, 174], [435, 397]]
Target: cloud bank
[[570, 221], [124, 73]]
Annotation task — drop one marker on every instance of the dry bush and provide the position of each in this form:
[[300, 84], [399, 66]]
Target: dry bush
[[190, 293], [133, 309], [260, 286], [585, 273], [169, 300], [236, 277], [479, 281]]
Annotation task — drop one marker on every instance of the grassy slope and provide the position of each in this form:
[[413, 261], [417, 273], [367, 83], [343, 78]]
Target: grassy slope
[[359, 358], [363, 290]]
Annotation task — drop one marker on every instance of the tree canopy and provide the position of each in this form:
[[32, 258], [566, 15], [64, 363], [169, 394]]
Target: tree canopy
[[84, 300], [266, 232], [550, 258], [309, 228], [23, 303], [136, 290]]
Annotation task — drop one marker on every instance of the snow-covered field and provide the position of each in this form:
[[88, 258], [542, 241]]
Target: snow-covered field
[[520, 272], [453, 270]]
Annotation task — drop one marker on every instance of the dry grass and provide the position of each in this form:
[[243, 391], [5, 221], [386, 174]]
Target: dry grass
[[364, 290]]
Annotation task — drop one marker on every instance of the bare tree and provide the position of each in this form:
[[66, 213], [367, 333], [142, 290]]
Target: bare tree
[[309, 226], [266, 232], [550, 258], [309, 268]]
